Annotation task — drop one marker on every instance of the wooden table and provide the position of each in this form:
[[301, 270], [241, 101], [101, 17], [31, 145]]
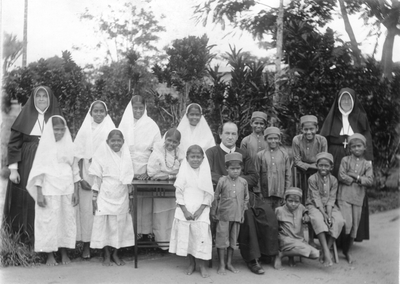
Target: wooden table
[[158, 189]]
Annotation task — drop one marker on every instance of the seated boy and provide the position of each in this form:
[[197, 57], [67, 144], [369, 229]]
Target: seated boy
[[325, 217], [291, 238], [255, 142]]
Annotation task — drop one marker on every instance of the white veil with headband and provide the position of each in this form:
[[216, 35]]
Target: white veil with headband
[[346, 127], [200, 134]]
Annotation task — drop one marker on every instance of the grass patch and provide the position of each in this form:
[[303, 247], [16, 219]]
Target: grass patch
[[15, 253], [382, 200]]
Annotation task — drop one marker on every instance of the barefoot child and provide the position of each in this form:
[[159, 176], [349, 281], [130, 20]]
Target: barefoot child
[[355, 174], [113, 173], [273, 166], [255, 142], [291, 238], [325, 217], [305, 147], [164, 164], [53, 183], [230, 201], [191, 234]]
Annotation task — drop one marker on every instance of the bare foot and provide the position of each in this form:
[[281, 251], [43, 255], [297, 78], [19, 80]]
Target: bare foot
[[278, 261], [221, 270], [86, 251], [107, 261], [64, 257], [204, 272], [327, 260], [191, 269], [321, 256], [51, 261], [117, 260], [349, 258], [231, 268], [292, 263]]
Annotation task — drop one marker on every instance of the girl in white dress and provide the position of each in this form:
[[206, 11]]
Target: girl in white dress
[[93, 132], [53, 184], [141, 133], [164, 164], [191, 234], [113, 173]]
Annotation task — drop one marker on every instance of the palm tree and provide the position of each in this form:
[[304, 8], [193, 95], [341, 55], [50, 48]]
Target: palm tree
[[12, 50]]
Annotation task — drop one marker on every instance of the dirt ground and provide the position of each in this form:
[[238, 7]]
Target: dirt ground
[[377, 261]]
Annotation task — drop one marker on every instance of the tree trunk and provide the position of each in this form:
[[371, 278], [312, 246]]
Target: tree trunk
[[387, 53], [390, 22], [25, 40], [278, 59], [354, 45]]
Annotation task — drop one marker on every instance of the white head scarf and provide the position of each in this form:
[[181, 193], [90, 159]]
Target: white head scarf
[[346, 128], [142, 127], [200, 134], [202, 180], [91, 134], [50, 153], [106, 161]]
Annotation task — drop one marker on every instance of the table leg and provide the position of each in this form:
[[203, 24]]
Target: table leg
[[135, 223]]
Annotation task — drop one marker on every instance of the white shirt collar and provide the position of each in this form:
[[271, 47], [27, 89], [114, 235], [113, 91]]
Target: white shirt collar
[[226, 149]]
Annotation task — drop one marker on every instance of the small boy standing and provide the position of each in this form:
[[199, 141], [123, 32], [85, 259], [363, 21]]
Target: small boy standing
[[291, 238], [230, 201], [273, 166], [307, 145], [355, 174], [255, 142]]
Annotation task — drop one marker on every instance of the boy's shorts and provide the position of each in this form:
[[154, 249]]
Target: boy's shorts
[[227, 234], [352, 215]]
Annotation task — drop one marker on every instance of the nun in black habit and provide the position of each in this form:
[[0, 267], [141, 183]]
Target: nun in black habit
[[346, 117], [19, 207]]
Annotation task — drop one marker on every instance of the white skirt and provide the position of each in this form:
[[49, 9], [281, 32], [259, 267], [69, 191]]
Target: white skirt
[[112, 230], [55, 225], [191, 237]]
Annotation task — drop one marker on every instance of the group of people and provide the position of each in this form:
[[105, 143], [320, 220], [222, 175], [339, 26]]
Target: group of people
[[62, 191]]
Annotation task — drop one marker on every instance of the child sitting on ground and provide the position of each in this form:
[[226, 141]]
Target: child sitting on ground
[[291, 238], [230, 201], [53, 184], [113, 173], [255, 142], [273, 166], [355, 174], [191, 234], [325, 217]]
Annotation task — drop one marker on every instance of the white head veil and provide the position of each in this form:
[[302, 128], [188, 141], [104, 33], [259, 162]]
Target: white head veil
[[50, 153], [88, 139], [106, 161], [200, 134], [202, 180], [346, 129]]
